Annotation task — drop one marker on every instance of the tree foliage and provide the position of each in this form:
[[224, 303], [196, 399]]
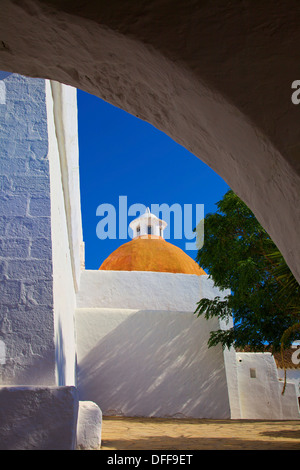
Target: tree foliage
[[239, 255]]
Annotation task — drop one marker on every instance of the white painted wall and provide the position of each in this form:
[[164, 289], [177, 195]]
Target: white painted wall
[[26, 300], [38, 418], [37, 288], [155, 363], [292, 376], [260, 394], [66, 128], [141, 350], [65, 222], [143, 290], [232, 382]]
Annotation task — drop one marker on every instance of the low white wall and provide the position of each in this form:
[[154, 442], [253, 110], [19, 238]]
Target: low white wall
[[155, 363], [292, 376], [143, 290], [289, 402], [260, 389]]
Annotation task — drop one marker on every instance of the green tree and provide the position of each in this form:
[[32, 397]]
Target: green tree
[[239, 255]]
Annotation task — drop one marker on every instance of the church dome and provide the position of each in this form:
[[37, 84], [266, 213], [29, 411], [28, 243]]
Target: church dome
[[148, 251], [151, 254]]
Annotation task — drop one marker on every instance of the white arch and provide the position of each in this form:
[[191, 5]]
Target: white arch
[[221, 88]]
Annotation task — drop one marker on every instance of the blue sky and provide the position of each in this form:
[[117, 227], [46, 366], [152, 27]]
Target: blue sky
[[121, 155]]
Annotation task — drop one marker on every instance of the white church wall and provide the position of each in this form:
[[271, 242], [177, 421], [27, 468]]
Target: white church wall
[[109, 302], [230, 361], [138, 362], [210, 291], [143, 290]]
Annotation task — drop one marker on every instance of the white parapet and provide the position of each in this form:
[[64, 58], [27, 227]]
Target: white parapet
[[144, 290], [260, 389]]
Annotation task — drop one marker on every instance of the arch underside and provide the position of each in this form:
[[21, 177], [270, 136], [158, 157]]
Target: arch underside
[[215, 77]]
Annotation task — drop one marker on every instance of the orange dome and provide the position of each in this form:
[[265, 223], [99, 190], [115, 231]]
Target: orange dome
[[151, 253]]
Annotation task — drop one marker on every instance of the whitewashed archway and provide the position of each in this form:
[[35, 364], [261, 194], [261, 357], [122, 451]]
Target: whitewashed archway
[[216, 77]]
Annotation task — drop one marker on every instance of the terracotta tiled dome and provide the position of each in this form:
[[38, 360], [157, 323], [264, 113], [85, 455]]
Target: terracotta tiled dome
[[151, 253]]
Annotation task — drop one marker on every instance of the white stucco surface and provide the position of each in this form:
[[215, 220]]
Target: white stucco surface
[[27, 355], [66, 267], [38, 418], [202, 72], [293, 376], [66, 127], [150, 363], [142, 352], [143, 290], [260, 389], [2, 352], [232, 382], [37, 289], [147, 221], [2, 93], [89, 424]]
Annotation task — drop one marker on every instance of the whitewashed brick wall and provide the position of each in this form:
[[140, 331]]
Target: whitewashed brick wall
[[26, 299]]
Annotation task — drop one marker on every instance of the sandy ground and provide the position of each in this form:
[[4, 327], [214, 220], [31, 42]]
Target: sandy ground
[[181, 434]]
